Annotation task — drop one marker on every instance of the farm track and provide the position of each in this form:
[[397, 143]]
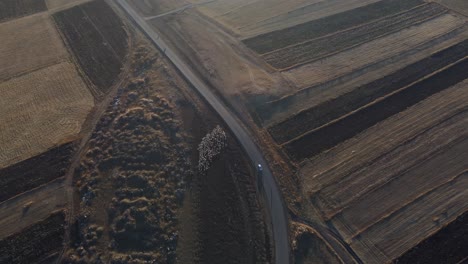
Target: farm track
[[348, 126], [279, 39], [306, 52], [11, 9], [328, 111]]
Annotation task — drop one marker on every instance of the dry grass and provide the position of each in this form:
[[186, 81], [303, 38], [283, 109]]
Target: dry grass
[[28, 44], [40, 110]]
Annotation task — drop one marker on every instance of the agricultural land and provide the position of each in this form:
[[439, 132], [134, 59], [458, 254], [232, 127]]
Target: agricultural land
[[99, 140], [360, 107]]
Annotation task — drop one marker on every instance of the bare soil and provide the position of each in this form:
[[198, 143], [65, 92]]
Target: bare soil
[[12, 9], [313, 142], [35, 243], [98, 40], [35, 171]]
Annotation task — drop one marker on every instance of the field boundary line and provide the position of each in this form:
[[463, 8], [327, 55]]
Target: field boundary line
[[389, 59], [408, 203], [374, 102], [342, 31], [416, 23], [398, 174]]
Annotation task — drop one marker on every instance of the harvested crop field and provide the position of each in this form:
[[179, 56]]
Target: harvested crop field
[[54, 5], [399, 182], [323, 113], [35, 243], [10, 9], [344, 128], [28, 44], [317, 28], [449, 245], [315, 49], [97, 38], [251, 18], [36, 171], [30, 207], [40, 110], [156, 7], [456, 5]]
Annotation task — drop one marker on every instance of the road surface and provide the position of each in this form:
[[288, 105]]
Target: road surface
[[272, 193]]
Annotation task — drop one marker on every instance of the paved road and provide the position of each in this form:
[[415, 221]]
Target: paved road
[[273, 196]]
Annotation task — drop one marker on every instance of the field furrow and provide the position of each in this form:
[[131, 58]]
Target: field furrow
[[11, 9], [317, 28], [341, 73], [329, 167], [99, 50], [347, 127], [315, 10], [302, 53], [404, 188], [323, 113], [406, 228]]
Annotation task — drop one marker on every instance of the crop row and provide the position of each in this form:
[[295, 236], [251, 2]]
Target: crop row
[[35, 171], [10, 9], [96, 36], [322, 47], [317, 28], [333, 133], [327, 111]]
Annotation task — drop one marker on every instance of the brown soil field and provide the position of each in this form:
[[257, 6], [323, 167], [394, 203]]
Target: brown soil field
[[305, 52], [35, 243], [350, 125], [341, 73], [327, 111], [317, 28], [28, 44], [250, 18], [40, 110], [404, 229], [97, 38], [35, 171], [217, 56], [390, 187], [456, 5], [11, 9], [448, 245], [55, 5], [156, 7], [28, 208]]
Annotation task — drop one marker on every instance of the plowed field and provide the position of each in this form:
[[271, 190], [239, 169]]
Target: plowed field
[[97, 38], [10, 9]]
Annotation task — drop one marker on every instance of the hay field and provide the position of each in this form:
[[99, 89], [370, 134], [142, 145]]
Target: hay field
[[28, 44], [41, 110], [250, 18], [390, 187]]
